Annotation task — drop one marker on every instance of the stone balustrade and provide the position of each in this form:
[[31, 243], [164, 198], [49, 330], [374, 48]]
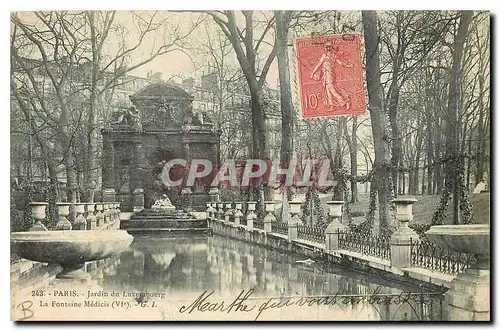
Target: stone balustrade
[[398, 256], [88, 216], [396, 251]]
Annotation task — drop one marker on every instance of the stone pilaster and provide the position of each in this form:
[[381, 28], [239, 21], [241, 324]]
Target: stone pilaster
[[108, 167], [138, 199]]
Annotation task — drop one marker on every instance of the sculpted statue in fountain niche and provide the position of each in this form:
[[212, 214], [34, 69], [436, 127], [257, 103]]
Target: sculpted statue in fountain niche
[[129, 118], [163, 204], [124, 179]]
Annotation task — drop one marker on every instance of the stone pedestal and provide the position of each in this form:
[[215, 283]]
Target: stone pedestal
[[251, 214], [220, 212], [237, 213], [335, 225], [228, 213], [294, 220], [469, 297], [269, 218], [402, 238]]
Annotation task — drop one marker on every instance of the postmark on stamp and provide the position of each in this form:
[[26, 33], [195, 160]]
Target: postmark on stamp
[[330, 75]]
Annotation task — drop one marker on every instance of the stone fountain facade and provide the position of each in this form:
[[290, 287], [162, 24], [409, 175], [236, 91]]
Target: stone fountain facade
[[160, 126]]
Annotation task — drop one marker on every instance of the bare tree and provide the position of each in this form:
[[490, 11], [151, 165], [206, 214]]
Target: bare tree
[[382, 182]]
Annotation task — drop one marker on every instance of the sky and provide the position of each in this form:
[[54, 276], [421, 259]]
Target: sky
[[177, 62]]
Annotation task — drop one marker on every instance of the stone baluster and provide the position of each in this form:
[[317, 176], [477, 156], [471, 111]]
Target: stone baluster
[[401, 239], [228, 213], [333, 229], [220, 212], [238, 214], [100, 215], [90, 217], [269, 218], [294, 219], [80, 221], [251, 214], [63, 211], [38, 212]]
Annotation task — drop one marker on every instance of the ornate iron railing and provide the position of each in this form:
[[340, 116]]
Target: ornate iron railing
[[279, 227], [369, 245], [426, 255], [311, 232]]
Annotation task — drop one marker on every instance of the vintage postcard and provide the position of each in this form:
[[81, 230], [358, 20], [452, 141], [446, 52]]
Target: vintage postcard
[[250, 165]]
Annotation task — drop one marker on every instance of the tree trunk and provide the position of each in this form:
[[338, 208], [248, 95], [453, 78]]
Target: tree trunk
[[396, 137], [454, 169], [282, 24], [417, 162], [430, 159], [378, 121], [354, 159]]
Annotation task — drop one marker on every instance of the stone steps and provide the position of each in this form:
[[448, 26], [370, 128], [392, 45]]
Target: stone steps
[[153, 221], [180, 224], [167, 230]]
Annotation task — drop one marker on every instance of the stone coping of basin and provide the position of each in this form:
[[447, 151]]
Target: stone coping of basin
[[70, 235], [460, 230]]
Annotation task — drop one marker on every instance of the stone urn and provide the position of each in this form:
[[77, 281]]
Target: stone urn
[[70, 249], [38, 211], [295, 207], [80, 221], [90, 217], [469, 294], [63, 211]]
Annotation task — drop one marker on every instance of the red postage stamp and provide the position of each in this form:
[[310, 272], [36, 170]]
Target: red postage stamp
[[330, 75]]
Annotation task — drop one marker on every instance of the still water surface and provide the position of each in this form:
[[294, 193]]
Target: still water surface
[[189, 278]]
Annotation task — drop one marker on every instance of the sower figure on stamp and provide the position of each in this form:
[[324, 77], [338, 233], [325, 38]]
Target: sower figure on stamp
[[334, 95]]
